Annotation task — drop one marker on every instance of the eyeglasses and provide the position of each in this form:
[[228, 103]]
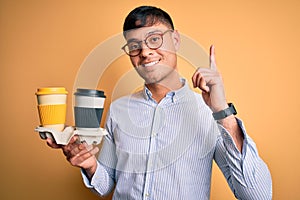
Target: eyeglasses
[[153, 41]]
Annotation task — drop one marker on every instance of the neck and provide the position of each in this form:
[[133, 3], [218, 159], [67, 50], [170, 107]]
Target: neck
[[159, 90]]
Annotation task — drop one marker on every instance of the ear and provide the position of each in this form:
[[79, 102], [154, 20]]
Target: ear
[[176, 40]]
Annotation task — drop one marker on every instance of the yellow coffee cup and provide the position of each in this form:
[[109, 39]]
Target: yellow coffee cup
[[52, 107]]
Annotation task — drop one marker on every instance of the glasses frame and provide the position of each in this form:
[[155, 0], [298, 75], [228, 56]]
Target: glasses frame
[[145, 41]]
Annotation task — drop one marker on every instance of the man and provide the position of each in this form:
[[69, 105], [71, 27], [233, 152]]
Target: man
[[163, 139]]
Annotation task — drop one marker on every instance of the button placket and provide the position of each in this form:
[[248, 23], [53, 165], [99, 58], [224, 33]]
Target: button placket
[[152, 152]]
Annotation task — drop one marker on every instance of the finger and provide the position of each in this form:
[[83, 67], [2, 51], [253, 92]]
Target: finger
[[212, 59], [74, 140], [81, 149], [206, 97], [202, 85], [75, 150], [68, 149], [52, 143], [194, 77], [197, 78], [94, 151], [199, 81], [80, 158]]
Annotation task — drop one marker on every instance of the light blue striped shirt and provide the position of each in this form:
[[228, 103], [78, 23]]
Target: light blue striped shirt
[[165, 151]]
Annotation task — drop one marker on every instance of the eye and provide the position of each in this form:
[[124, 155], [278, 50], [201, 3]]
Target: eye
[[154, 39], [133, 46]]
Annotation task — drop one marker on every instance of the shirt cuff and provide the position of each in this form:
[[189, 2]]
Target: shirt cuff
[[85, 179], [99, 181], [229, 142]]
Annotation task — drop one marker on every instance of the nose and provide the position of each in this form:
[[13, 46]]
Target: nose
[[145, 51]]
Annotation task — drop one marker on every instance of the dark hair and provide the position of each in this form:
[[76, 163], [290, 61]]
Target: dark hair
[[146, 16]]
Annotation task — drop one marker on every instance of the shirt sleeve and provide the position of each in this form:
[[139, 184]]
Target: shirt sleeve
[[101, 182], [246, 173]]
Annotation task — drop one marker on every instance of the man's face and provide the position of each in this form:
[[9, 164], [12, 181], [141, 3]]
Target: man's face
[[155, 65]]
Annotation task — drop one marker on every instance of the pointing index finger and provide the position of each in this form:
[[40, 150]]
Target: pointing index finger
[[212, 60]]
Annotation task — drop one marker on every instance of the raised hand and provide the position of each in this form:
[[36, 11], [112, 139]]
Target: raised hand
[[210, 82]]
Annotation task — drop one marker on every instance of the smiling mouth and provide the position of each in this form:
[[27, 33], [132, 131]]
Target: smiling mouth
[[150, 64]]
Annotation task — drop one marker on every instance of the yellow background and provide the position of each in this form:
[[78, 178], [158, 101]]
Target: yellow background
[[44, 42]]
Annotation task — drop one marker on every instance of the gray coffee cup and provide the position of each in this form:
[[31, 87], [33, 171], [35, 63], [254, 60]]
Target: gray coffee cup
[[88, 108]]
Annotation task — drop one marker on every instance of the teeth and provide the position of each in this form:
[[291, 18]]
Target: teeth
[[150, 64]]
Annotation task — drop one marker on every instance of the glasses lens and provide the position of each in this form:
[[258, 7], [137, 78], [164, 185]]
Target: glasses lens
[[154, 41], [132, 48]]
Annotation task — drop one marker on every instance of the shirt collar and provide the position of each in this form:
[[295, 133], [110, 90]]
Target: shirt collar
[[174, 95]]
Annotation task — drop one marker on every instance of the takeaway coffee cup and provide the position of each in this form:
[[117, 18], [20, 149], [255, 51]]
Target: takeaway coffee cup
[[52, 107], [88, 109]]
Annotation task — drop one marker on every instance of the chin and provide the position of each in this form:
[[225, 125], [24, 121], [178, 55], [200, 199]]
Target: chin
[[151, 80]]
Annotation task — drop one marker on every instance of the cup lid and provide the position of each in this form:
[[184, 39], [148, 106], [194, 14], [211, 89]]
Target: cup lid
[[89, 92], [51, 90]]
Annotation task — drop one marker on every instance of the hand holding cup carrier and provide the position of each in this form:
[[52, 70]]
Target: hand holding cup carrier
[[88, 110]]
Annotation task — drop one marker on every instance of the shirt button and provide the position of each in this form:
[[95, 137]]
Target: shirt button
[[154, 134], [147, 194]]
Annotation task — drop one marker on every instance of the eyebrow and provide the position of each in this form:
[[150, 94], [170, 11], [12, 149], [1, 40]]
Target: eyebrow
[[132, 40], [146, 35], [154, 31]]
